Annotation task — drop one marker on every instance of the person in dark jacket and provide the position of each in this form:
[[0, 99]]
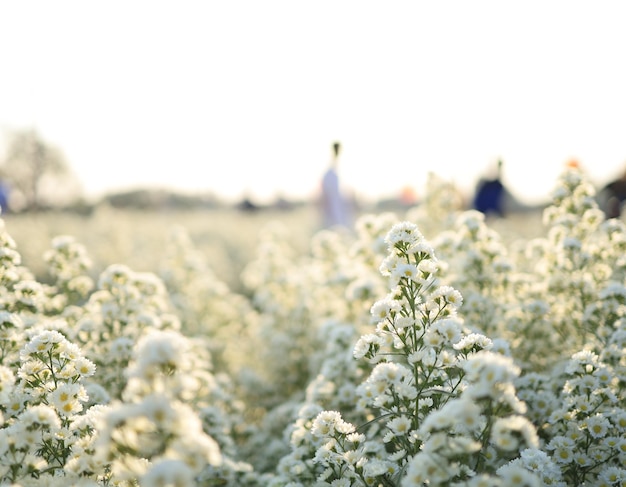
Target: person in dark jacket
[[490, 192], [612, 197]]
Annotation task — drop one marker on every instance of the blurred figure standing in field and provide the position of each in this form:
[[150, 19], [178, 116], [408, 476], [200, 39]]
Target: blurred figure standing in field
[[490, 194], [4, 198], [612, 196], [334, 205]]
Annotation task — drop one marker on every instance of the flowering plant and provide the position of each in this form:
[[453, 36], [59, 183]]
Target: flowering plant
[[370, 360]]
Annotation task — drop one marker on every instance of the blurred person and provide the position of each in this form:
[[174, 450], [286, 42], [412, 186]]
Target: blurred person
[[612, 196], [334, 205], [4, 198], [490, 193]]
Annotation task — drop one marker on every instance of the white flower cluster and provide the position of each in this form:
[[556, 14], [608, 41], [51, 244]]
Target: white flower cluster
[[44, 429], [431, 397], [368, 361]]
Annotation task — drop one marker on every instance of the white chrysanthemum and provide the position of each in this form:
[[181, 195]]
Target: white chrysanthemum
[[326, 453], [67, 398], [389, 372], [405, 271], [540, 463], [44, 342], [584, 361], [473, 341], [563, 455], [598, 426], [406, 390], [612, 475], [388, 264], [384, 309], [365, 343], [403, 232], [400, 426], [402, 322], [433, 339], [328, 422], [422, 247], [84, 367], [449, 329], [375, 467], [428, 267], [450, 295], [427, 357]]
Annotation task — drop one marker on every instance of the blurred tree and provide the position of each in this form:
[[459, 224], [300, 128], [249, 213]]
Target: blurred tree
[[37, 172]]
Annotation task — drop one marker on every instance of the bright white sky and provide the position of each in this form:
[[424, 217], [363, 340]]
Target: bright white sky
[[235, 96]]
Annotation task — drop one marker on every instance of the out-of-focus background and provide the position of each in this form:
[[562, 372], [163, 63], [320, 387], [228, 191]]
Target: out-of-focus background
[[194, 102]]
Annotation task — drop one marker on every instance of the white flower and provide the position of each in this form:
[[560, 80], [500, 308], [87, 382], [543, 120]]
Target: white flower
[[598, 426], [473, 340], [449, 329], [563, 455], [389, 372], [67, 398], [405, 271], [328, 422], [400, 426], [365, 343], [84, 367], [44, 342], [403, 232], [612, 475], [375, 468], [384, 309], [540, 463], [422, 247], [428, 267]]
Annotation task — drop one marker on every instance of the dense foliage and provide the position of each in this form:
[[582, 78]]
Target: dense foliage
[[422, 351]]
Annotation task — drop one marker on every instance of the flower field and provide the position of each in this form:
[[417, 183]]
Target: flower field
[[432, 348]]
